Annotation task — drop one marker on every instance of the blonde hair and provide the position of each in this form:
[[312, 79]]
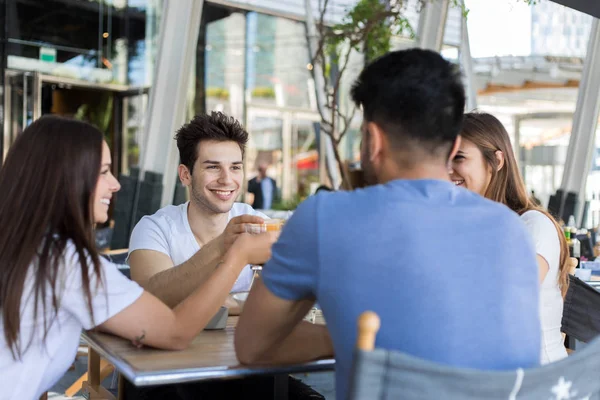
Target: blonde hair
[[506, 185]]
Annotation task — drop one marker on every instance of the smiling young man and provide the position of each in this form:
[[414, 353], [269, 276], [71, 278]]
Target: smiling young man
[[176, 249]]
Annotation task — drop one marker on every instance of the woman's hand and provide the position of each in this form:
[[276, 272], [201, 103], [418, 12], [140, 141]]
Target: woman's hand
[[237, 227], [254, 248]]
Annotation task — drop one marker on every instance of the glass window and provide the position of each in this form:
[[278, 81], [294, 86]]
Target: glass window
[[277, 61], [593, 188], [99, 41], [134, 109], [223, 75], [265, 147], [258, 63], [544, 145], [305, 156]]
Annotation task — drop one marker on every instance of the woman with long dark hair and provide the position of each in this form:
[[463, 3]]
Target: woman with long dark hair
[[55, 185], [485, 164]]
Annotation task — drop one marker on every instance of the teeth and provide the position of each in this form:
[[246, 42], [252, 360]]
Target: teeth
[[222, 192], [458, 182], [105, 201]]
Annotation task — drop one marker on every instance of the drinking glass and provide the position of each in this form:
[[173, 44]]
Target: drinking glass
[[270, 225]]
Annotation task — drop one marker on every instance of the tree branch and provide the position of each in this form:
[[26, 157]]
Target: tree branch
[[318, 58], [347, 122], [322, 34], [369, 21], [341, 73]]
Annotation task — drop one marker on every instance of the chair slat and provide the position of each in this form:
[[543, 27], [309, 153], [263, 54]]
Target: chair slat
[[368, 326]]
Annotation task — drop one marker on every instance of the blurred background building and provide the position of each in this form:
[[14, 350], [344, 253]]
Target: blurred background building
[[96, 60]]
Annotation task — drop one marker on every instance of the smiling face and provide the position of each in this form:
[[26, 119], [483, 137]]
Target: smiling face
[[469, 168], [217, 175], [106, 186]]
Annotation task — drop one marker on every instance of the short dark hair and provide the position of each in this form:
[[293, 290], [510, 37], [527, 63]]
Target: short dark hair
[[415, 96], [216, 126]]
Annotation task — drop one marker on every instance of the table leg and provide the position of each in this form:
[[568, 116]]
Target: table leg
[[93, 384], [93, 368], [281, 388], [121, 389]]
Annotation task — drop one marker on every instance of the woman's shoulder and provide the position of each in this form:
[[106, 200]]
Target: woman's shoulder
[[542, 228], [536, 217], [74, 257]]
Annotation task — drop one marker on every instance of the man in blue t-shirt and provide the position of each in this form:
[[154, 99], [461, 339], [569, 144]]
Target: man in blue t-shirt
[[452, 275]]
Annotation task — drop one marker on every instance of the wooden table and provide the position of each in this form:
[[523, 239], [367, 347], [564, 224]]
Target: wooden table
[[210, 356]]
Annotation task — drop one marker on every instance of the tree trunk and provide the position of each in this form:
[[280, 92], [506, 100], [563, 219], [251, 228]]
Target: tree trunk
[[343, 168]]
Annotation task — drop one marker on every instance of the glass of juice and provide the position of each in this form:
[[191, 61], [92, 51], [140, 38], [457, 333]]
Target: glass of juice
[[270, 225]]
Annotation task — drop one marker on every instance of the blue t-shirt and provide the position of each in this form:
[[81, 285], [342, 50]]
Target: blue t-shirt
[[453, 276]]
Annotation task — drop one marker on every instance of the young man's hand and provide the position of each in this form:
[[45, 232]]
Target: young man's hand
[[255, 249], [235, 228]]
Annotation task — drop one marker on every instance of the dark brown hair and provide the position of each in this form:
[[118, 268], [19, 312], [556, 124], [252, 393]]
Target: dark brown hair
[[507, 186], [216, 126], [47, 183]]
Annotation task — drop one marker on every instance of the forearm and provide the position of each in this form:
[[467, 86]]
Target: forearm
[[193, 313], [306, 342], [175, 284], [149, 322], [234, 306]]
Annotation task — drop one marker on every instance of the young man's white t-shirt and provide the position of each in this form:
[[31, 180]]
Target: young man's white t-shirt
[[168, 231], [43, 363], [547, 245]]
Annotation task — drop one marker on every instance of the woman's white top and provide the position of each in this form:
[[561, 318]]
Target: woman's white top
[[547, 244], [43, 363]]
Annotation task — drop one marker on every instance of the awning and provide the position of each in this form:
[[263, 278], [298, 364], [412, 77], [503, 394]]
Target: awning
[[591, 7], [308, 160]]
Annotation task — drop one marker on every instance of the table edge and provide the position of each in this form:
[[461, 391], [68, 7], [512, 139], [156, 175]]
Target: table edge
[[172, 376]]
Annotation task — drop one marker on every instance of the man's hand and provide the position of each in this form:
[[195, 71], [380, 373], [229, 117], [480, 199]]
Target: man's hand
[[271, 330], [235, 228], [255, 249]]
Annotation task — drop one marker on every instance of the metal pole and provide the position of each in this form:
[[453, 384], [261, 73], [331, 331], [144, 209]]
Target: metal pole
[[36, 96], [432, 24], [25, 98], [467, 64], [517, 142], [109, 8], [245, 91], [286, 142], [3, 58], [581, 144], [166, 112], [100, 29]]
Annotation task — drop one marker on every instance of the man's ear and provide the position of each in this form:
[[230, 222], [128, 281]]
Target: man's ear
[[375, 141], [184, 175], [500, 158]]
